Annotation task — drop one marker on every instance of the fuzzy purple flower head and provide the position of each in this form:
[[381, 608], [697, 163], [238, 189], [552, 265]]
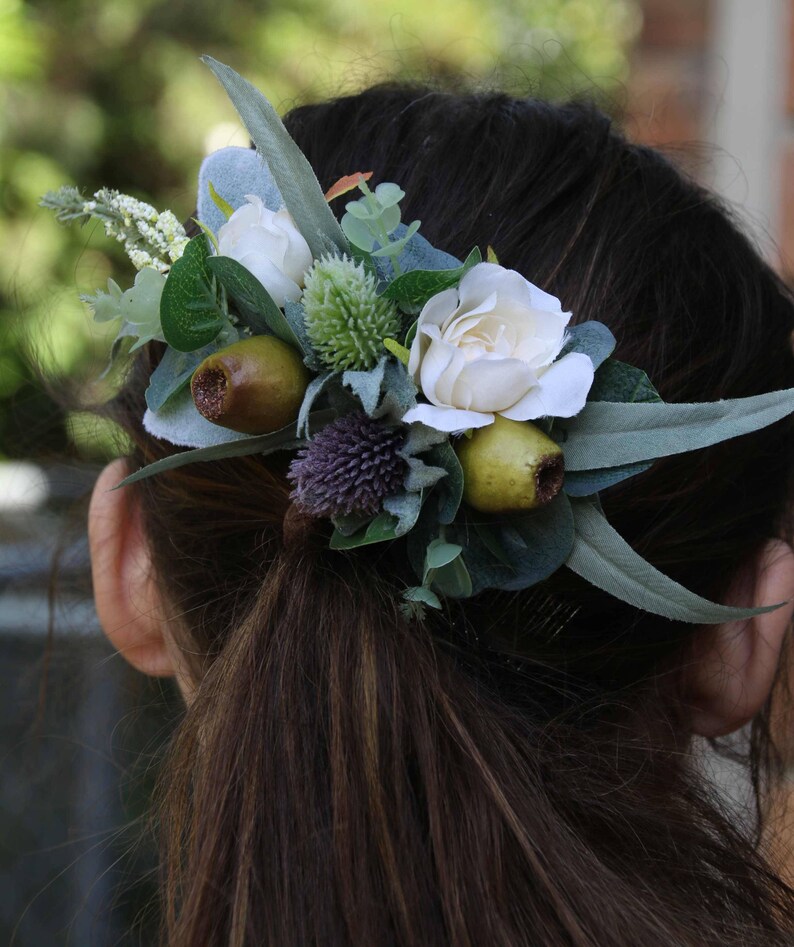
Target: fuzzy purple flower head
[[350, 466]]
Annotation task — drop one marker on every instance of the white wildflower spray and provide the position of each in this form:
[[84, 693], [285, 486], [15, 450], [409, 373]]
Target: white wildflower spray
[[150, 238]]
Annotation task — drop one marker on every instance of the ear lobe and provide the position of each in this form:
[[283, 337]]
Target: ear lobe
[[128, 603], [733, 666]]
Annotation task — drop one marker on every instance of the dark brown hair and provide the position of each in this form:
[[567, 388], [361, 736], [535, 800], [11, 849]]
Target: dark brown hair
[[515, 771]]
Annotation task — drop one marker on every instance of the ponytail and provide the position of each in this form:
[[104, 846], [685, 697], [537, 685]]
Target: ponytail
[[342, 777]]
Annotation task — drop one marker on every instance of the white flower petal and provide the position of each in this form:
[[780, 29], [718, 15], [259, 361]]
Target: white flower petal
[[280, 287], [561, 392], [438, 308], [269, 245], [435, 361], [495, 383], [545, 301], [486, 278], [263, 241], [449, 420]]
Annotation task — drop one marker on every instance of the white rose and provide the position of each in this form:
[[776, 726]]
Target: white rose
[[489, 347], [269, 245]]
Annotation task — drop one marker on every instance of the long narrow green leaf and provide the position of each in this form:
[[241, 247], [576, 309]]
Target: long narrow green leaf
[[602, 557], [291, 171], [606, 434], [283, 439]]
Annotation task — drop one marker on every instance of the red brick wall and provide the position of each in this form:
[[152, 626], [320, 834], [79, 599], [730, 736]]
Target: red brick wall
[[670, 104], [667, 87]]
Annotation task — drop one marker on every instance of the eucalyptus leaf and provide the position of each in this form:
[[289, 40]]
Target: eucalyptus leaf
[[254, 303], [592, 339], [283, 439], [388, 194], [381, 529], [186, 325], [173, 372], [450, 487], [440, 553], [617, 381], [394, 248], [420, 593], [603, 558], [351, 523], [412, 290], [357, 232], [452, 580], [291, 171], [605, 434], [520, 553]]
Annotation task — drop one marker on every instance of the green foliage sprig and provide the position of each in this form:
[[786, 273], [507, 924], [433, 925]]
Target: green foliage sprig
[[373, 219]]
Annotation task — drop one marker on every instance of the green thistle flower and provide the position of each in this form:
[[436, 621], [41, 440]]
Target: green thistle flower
[[345, 318]]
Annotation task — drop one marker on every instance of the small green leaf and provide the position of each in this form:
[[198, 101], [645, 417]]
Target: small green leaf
[[387, 194], [421, 594], [381, 529], [517, 553], [185, 328], [223, 206], [452, 580], [207, 232], [398, 351], [440, 553], [105, 305], [592, 339], [450, 487], [394, 248], [357, 232], [254, 303], [171, 375], [412, 290], [617, 381]]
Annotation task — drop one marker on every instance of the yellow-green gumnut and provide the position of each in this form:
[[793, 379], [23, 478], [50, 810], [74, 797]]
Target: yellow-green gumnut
[[346, 320], [509, 466], [254, 386]]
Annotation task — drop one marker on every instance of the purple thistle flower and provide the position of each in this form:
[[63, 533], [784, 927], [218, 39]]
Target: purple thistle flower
[[350, 466]]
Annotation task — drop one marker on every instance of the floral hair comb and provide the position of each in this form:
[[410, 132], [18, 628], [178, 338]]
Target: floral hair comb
[[444, 402]]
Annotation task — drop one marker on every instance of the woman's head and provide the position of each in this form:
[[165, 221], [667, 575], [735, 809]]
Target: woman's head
[[511, 766]]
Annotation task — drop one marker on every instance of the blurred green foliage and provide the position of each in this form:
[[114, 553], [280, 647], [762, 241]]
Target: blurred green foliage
[[111, 92]]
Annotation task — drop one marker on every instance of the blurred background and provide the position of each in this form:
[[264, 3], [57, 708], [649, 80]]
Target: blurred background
[[111, 92]]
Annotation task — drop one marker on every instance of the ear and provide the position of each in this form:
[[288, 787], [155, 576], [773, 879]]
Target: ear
[[128, 603], [733, 666]]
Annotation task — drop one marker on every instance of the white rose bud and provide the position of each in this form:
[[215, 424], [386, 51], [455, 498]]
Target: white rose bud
[[489, 347], [269, 245]]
